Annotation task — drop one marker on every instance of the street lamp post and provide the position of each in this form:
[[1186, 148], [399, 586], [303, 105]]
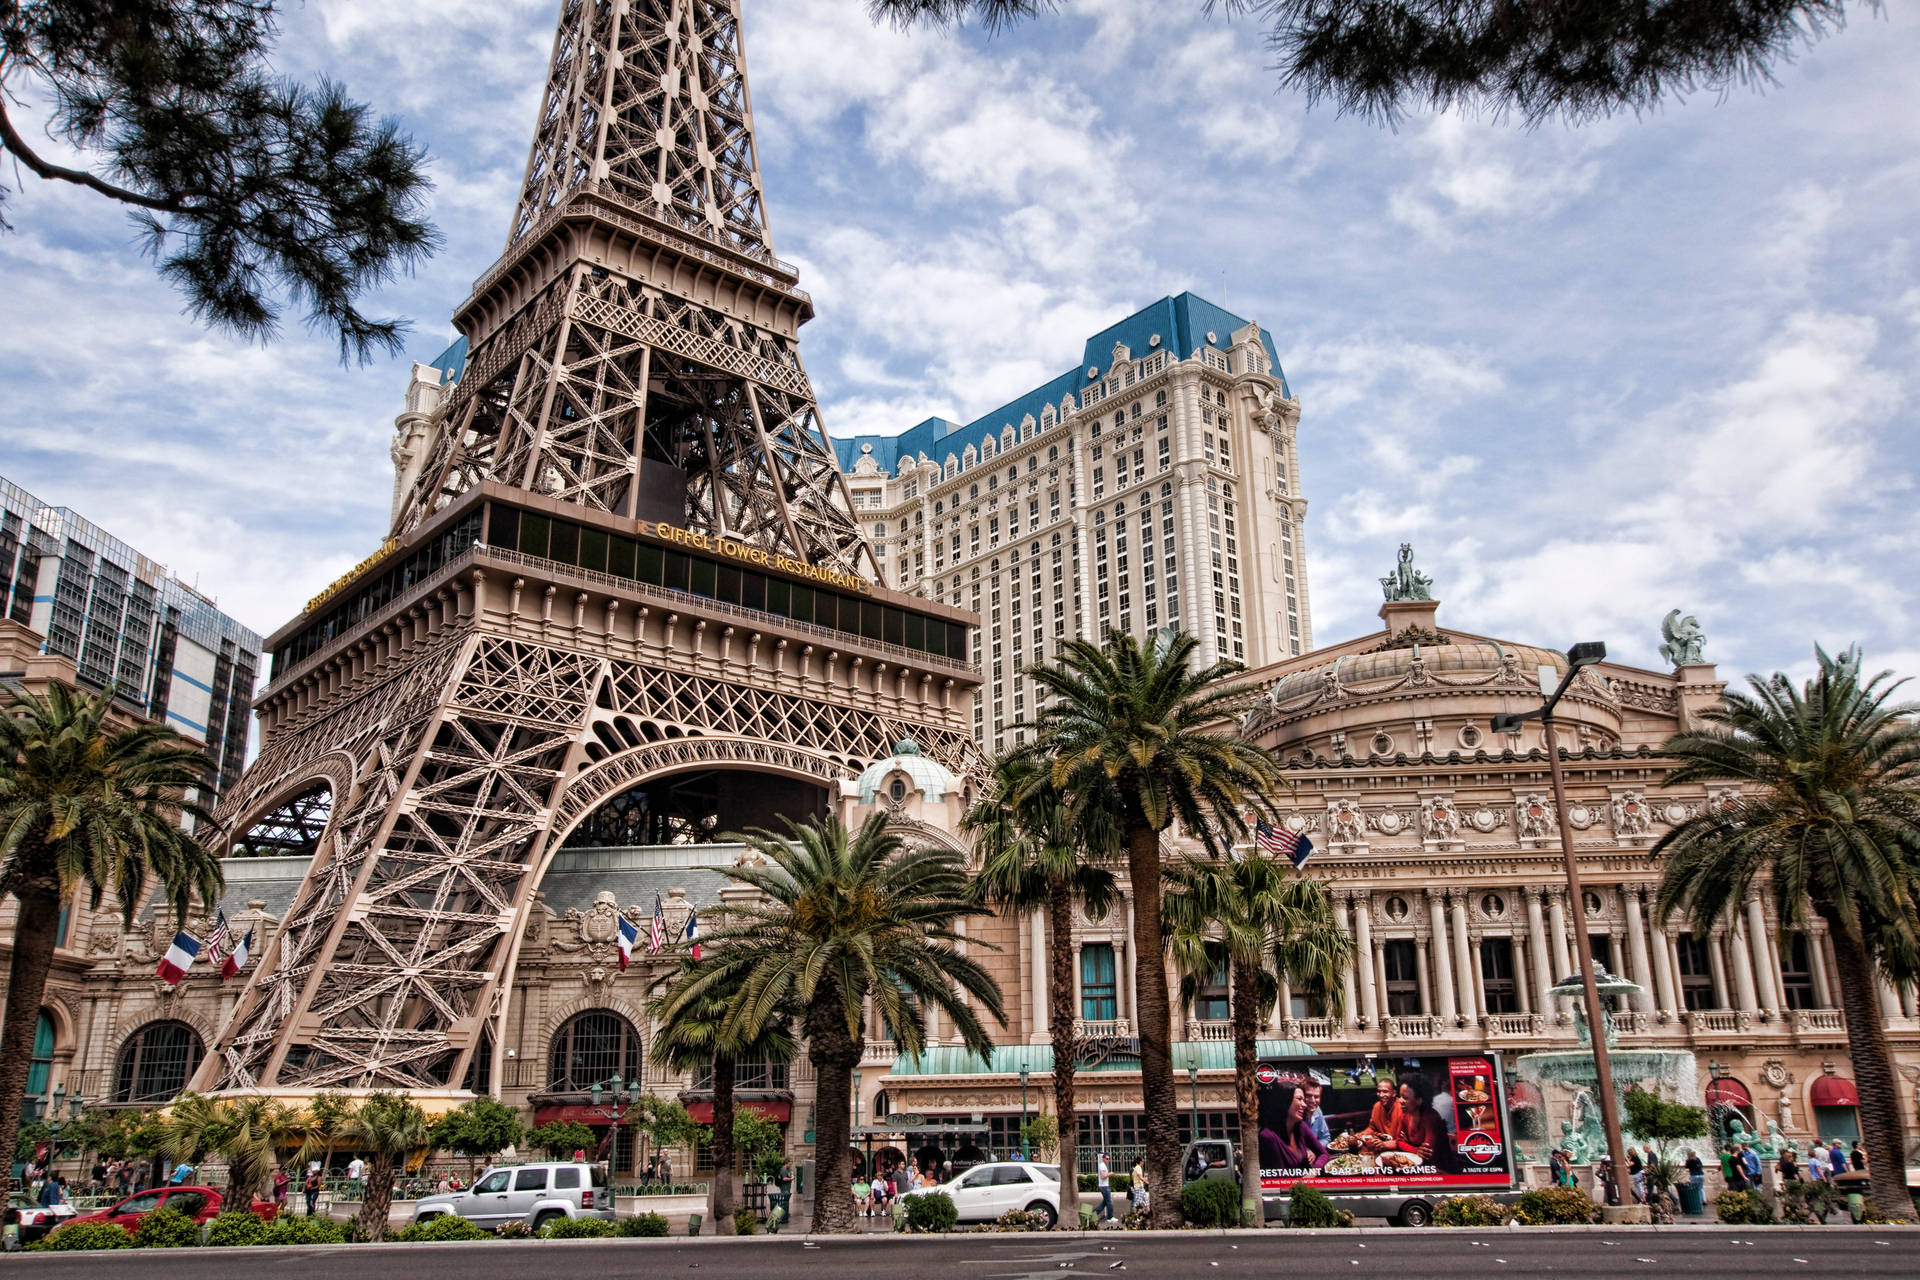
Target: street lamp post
[[1581, 655], [48, 1111], [1026, 1147], [1193, 1082], [612, 1091]]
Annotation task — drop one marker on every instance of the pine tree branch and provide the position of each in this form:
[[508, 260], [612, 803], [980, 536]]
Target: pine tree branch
[[15, 145]]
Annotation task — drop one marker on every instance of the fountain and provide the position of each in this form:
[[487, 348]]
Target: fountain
[[1673, 1074]]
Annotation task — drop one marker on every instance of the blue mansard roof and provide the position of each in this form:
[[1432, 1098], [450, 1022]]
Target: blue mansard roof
[[1182, 323]]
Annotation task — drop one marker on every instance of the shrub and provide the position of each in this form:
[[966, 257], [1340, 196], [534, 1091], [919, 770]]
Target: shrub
[[1136, 1220], [576, 1229], [514, 1229], [930, 1211], [290, 1230], [1743, 1208], [1119, 1182], [1309, 1207], [1810, 1201], [1211, 1202], [1555, 1206], [447, 1226], [165, 1229], [644, 1224], [235, 1229], [86, 1235], [1471, 1211], [1021, 1220], [745, 1221]]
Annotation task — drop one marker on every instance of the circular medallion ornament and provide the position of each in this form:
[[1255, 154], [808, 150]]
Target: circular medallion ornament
[[1390, 823], [1579, 815], [1675, 813], [1774, 1074], [1484, 819], [1295, 823]]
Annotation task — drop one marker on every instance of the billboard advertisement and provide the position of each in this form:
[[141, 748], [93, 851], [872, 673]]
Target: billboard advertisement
[[1374, 1122]]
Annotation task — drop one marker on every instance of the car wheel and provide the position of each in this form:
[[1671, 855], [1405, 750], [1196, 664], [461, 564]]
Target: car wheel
[[1046, 1211], [543, 1219], [1415, 1213]]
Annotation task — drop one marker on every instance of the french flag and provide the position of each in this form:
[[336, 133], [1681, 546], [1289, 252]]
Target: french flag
[[237, 958], [692, 933], [626, 940], [179, 958]]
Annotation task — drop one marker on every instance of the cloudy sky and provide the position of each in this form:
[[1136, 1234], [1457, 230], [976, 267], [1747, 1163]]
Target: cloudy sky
[[1592, 375]]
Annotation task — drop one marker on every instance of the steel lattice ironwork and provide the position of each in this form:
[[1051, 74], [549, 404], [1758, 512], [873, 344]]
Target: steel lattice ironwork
[[633, 355]]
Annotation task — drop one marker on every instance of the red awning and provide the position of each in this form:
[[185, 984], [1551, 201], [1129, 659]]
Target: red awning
[[1834, 1091], [776, 1110], [572, 1111], [1728, 1093]]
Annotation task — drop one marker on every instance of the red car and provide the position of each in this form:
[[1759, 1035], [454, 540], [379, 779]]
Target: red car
[[198, 1203]]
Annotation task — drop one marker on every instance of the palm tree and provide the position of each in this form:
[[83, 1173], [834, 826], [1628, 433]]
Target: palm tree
[[389, 1127], [697, 1035], [1031, 861], [1240, 916], [326, 1118], [1138, 736], [846, 920], [85, 805], [246, 1130], [1829, 816]]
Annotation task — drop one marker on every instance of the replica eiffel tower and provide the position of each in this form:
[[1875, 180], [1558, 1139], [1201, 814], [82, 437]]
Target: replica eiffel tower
[[622, 551]]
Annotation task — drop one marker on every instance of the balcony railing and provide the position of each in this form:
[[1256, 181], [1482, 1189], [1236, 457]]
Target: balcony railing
[[1314, 1029], [1425, 1027], [1517, 1024], [1719, 1021], [1103, 1027], [881, 1051], [1805, 1020], [1210, 1030]]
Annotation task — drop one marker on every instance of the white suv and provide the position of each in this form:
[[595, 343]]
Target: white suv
[[986, 1191], [536, 1194]]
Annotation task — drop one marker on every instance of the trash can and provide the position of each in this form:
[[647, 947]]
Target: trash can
[[1693, 1198]]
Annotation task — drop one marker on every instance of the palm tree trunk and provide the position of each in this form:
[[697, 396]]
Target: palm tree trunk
[[378, 1198], [1246, 1053], [1873, 1075], [33, 940], [1060, 1013], [1154, 1025], [722, 1144], [834, 1054]]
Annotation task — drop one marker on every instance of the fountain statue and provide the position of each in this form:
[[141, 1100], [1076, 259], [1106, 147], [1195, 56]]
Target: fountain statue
[[1671, 1073]]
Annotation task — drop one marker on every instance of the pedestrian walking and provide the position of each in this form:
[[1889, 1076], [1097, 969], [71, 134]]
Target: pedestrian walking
[[311, 1188], [652, 1175], [1788, 1166], [1735, 1170], [181, 1172], [1858, 1157], [1837, 1158], [1697, 1175], [666, 1168], [1103, 1180], [1604, 1174], [1637, 1175], [356, 1169], [280, 1184], [1750, 1160], [1556, 1168]]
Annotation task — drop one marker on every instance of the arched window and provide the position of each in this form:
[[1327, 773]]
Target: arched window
[[156, 1062], [592, 1047], [40, 1068]]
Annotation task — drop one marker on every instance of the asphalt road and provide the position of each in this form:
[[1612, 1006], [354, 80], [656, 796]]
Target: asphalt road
[[1735, 1253]]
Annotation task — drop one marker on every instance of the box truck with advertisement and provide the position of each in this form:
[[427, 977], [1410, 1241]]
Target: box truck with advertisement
[[1382, 1135]]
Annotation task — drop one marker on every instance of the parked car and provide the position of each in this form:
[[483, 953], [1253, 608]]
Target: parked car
[[986, 1191], [536, 1194], [33, 1220], [198, 1203]]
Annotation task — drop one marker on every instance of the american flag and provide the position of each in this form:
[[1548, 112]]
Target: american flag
[[217, 942], [657, 938], [1282, 843]]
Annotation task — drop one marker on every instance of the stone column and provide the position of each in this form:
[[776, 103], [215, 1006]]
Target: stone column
[[1663, 975], [1557, 934], [1817, 961], [1042, 1002], [1716, 961], [1442, 967], [1364, 959], [1766, 976], [1644, 999], [1345, 925], [1889, 998], [1464, 960], [1123, 962], [1537, 950], [1422, 972], [1743, 971]]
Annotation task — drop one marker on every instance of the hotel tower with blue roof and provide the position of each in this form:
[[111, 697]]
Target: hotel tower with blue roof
[[1156, 484]]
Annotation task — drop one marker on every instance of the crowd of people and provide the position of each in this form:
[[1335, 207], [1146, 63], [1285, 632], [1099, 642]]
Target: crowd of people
[[1741, 1167]]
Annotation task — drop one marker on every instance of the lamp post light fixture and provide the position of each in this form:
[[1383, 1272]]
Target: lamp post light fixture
[[1578, 657], [1193, 1082], [48, 1112], [1026, 1146]]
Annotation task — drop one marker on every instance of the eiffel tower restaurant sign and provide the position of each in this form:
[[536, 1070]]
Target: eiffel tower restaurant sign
[[622, 558]]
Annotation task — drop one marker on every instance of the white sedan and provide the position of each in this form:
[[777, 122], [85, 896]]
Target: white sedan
[[986, 1191]]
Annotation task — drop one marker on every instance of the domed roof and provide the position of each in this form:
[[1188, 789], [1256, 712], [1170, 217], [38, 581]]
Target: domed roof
[[1467, 664], [927, 776]]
